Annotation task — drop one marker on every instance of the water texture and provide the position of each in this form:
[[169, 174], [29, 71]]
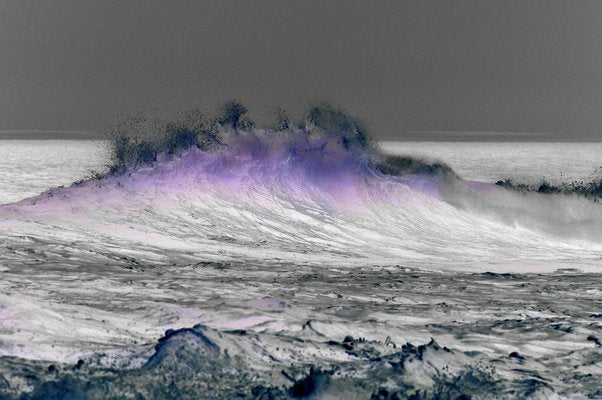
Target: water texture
[[255, 271]]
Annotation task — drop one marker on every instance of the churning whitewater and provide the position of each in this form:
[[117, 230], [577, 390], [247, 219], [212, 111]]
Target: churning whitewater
[[278, 266]]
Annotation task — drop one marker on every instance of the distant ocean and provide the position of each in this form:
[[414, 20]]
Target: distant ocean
[[28, 167]]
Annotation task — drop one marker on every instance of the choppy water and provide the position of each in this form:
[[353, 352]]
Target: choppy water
[[285, 274]]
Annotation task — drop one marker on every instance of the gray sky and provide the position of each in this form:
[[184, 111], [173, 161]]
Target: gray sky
[[411, 69]]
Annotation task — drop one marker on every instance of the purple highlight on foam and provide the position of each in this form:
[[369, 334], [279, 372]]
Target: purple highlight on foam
[[253, 167]]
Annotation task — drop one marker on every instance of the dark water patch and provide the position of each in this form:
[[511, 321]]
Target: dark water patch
[[310, 384], [212, 264], [495, 275], [595, 339], [406, 165], [592, 189], [223, 238], [515, 355]]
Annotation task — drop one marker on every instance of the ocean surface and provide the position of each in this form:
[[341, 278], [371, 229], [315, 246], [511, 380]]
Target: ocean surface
[[526, 162], [29, 167], [279, 267]]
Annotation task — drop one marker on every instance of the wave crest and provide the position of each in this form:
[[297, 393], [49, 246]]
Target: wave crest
[[322, 193]]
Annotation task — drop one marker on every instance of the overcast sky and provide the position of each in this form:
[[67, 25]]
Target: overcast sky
[[410, 69]]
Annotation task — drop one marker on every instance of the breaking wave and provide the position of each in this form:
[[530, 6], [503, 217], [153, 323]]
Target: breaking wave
[[309, 258], [262, 194]]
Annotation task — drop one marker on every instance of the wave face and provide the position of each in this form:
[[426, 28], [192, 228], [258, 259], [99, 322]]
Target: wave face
[[282, 246], [265, 197]]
